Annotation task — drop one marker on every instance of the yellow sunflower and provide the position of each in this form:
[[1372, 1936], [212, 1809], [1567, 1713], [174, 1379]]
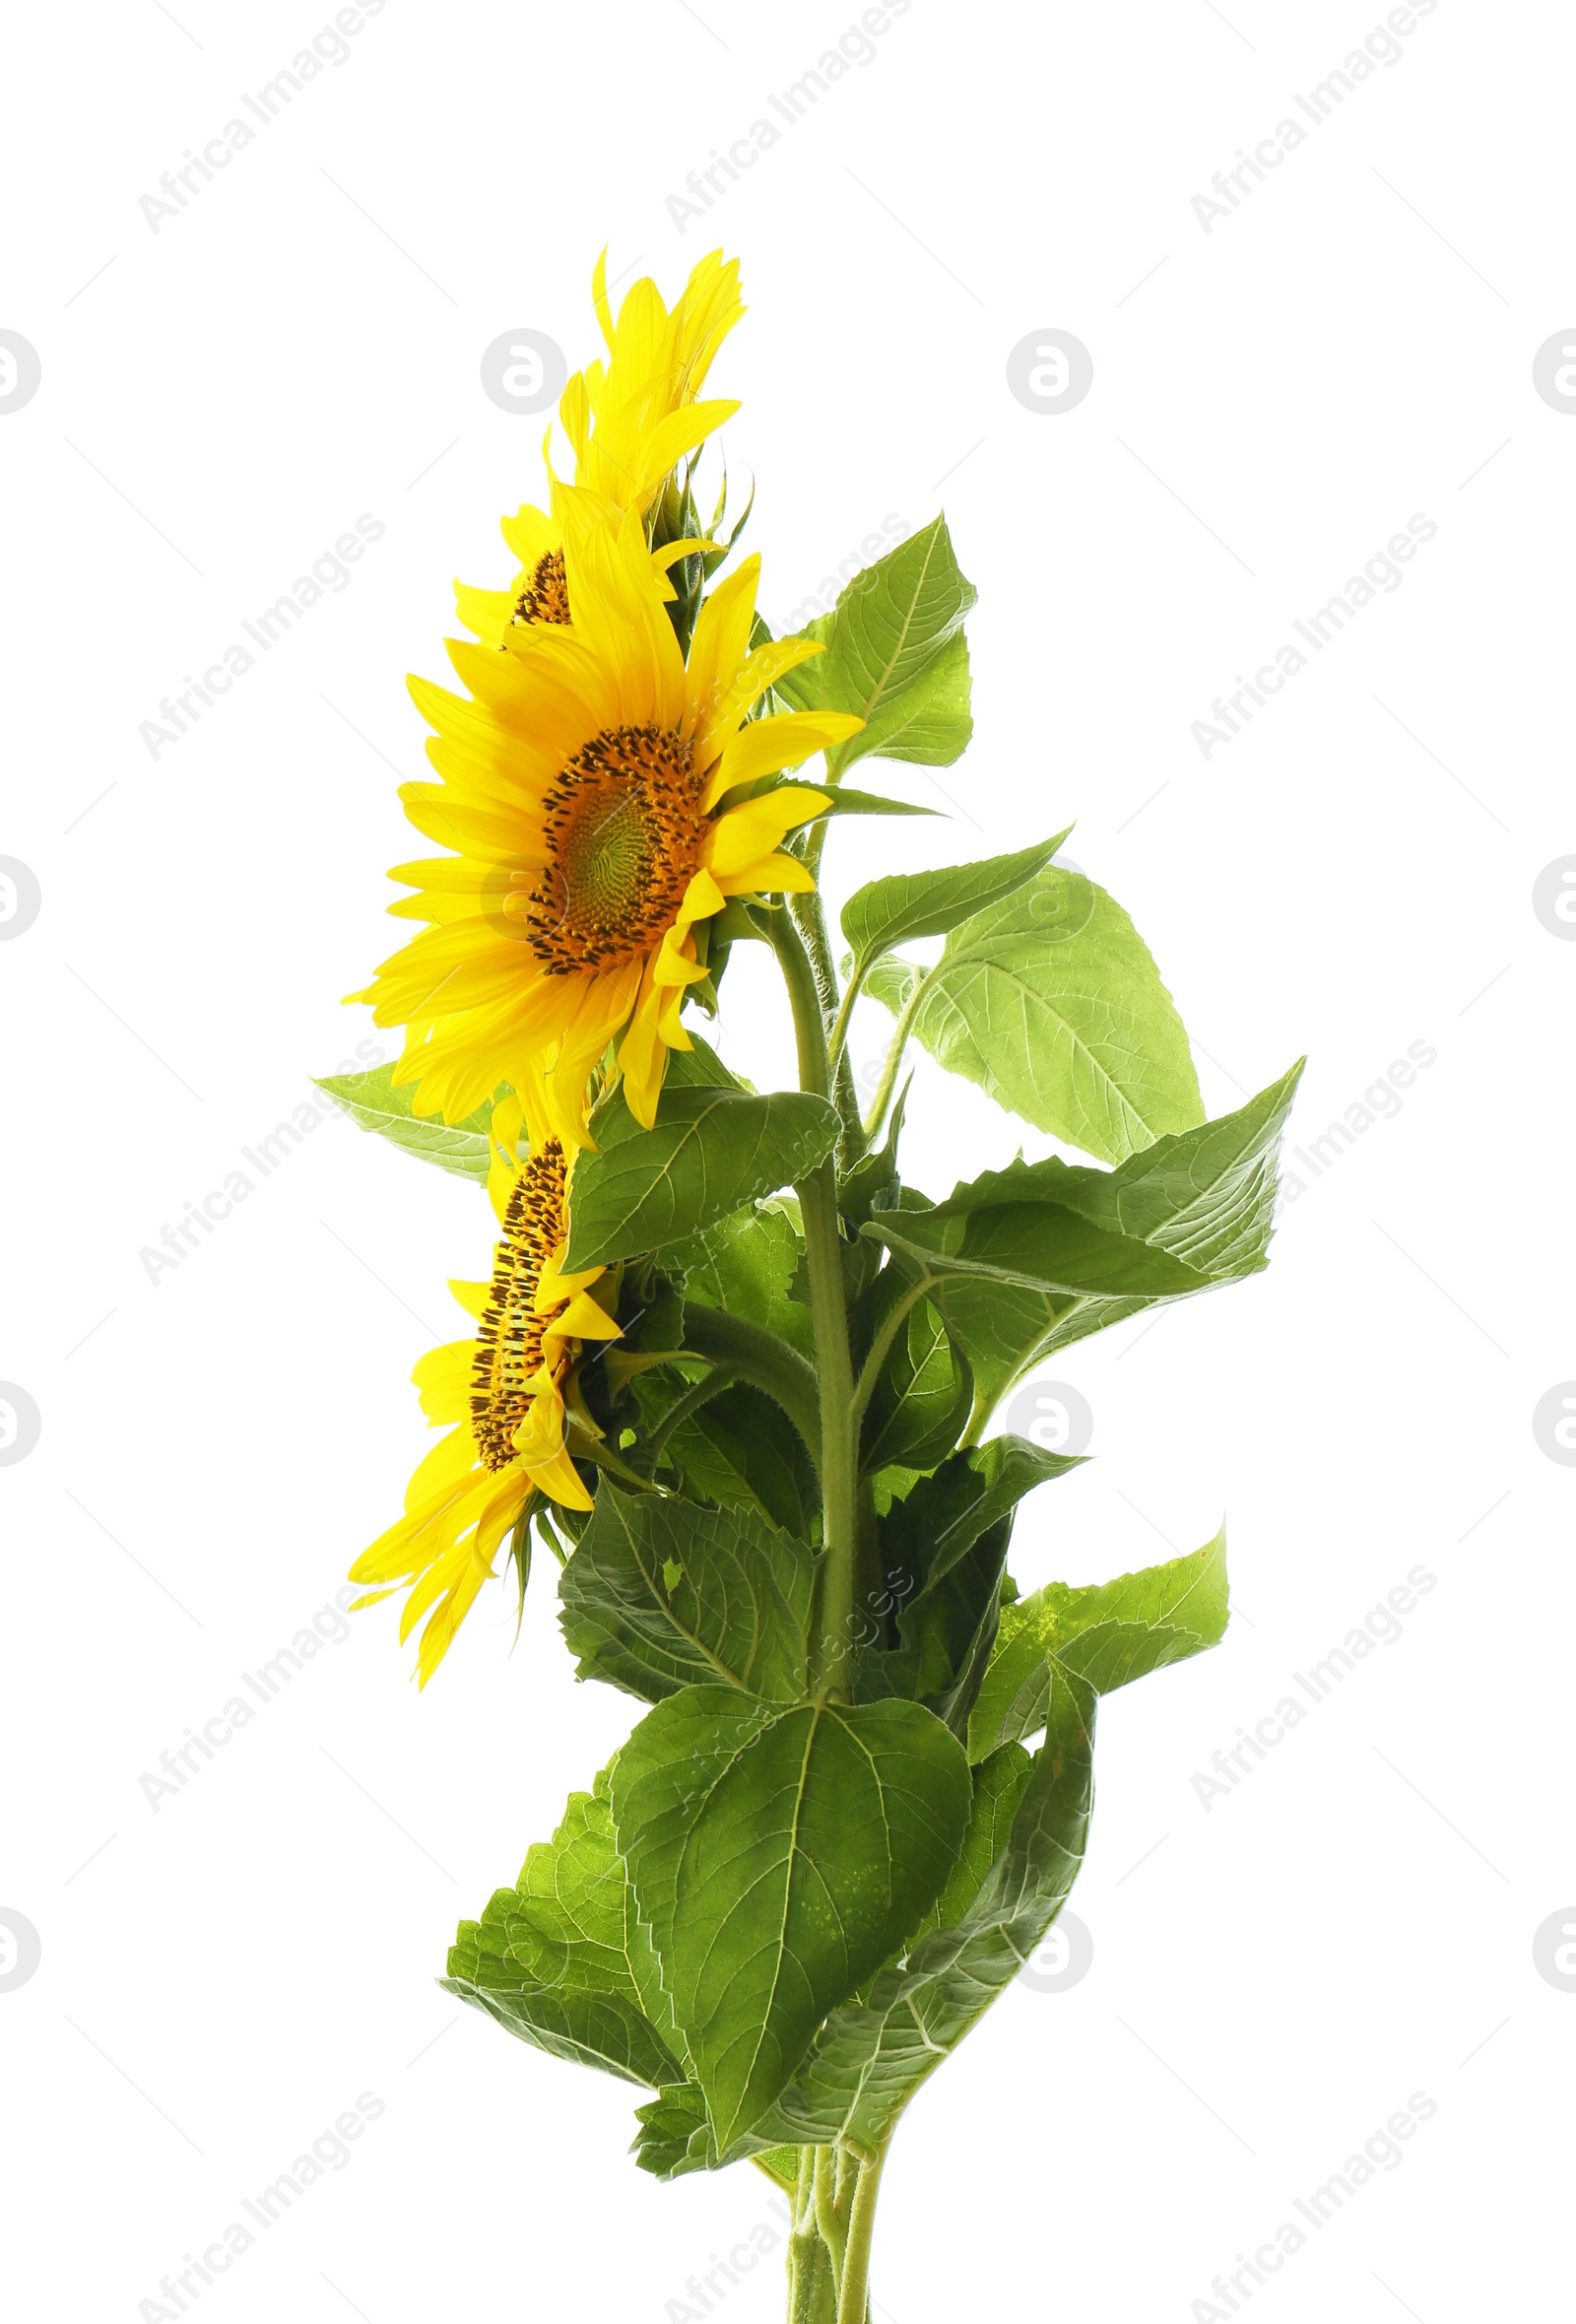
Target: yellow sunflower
[[597, 793], [629, 421], [501, 1396]]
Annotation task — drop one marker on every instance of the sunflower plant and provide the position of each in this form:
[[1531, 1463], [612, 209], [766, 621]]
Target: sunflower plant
[[730, 1371]]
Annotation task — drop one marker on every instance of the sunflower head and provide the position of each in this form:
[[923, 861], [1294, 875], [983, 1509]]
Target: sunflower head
[[503, 1395], [604, 800]]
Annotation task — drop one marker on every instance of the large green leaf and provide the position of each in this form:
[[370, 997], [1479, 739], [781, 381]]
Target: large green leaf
[[1050, 1001], [896, 657], [746, 1264], [561, 1960], [374, 1103], [923, 1396], [912, 905], [1108, 1633], [873, 2055], [711, 1150], [1203, 1200], [942, 1551], [699, 1066], [736, 1452], [660, 1594], [777, 1858], [1009, 1228]]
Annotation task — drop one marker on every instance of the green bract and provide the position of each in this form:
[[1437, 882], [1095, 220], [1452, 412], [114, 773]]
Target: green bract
[[859, 1788]]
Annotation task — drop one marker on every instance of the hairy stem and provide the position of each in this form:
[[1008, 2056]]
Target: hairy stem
[[833, 2230], [810, 917], [818, 1200], [764, 1361], [837, 1039], [812, 2280], [721, 1376], [894, 1058], [893, 1324], [853, 2305]]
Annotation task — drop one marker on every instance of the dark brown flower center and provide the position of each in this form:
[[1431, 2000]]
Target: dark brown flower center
[[626, 825], [546, 595], [508, 1341]]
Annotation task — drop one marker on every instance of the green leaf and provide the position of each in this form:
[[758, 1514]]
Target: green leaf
[[911, 904], [873, 2055], [711, 1150], [676, 2137], [848, 802], [896, 657], [1108, 1633], [1051, 1002], [735, 1451], [1009, 1228], [777, 1858], [740, 1612], [942, 1549], [561, 1960], [1204, 1200], [746, 1264], [1000, 1783], [700, 1068], [373, 1104], [923, 1395]]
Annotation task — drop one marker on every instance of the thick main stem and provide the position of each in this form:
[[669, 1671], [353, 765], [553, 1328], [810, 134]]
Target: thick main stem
[[818, 1200]]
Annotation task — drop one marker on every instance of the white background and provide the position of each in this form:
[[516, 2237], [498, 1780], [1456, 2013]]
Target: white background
[[1273, 400]]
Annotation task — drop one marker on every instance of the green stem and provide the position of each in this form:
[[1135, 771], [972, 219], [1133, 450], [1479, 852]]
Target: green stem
[[838, 1036], [810, 918], [894, 1058], [832, 2228], [818, 1202], [720, 1377], [870, 1370], [762, 1359], [853, 2304], [812, 2281]]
